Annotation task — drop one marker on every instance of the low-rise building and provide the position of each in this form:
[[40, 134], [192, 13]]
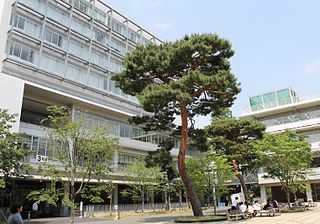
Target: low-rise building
[[282, 110]]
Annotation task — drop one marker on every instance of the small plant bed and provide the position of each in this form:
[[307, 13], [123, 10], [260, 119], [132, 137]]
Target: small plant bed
[[207, 218]]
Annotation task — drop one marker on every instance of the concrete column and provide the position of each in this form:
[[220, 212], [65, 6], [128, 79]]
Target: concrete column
[[115, 195], [263, 192], [46, 209], [309, 193], [116, 159]]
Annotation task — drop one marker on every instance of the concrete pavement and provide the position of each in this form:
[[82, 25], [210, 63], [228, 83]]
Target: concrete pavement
[[308, 217]]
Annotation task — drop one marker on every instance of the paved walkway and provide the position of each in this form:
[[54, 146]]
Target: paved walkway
[[308, 217]]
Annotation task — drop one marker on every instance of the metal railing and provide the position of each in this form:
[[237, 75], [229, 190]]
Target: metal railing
[[96, 210], [302, 98]]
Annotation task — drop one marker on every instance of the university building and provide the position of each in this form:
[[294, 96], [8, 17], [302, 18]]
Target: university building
[[282, 110], [64, 52]]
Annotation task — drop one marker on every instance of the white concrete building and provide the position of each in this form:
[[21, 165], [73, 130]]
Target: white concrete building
[[281, 110], [63, 52]]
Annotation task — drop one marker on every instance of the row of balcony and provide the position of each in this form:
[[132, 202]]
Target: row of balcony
[[62, 16], [314, 174]]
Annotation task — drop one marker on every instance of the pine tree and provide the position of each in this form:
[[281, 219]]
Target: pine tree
[[185, 78]]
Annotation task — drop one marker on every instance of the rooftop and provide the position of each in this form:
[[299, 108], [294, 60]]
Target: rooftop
[[261, 109]]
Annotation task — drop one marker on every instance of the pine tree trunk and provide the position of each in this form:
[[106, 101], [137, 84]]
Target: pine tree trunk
[[244, 187], [195, 203], [241, 180]]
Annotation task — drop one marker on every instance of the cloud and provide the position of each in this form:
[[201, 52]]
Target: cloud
[[165, 26], [312, 67], [144, 4]]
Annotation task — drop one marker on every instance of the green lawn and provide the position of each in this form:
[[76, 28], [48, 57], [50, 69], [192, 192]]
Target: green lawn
[[207, 218]]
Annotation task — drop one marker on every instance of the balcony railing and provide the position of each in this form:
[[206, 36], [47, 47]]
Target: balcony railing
[[303, 98], [312, 174]]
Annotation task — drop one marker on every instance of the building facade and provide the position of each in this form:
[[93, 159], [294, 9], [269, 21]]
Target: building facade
[[282, 110], [64, 52]]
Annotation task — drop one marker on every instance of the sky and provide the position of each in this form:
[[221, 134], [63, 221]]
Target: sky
[[276, 43]]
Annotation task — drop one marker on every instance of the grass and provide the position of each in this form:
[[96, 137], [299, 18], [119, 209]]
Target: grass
[[140, 214], [207, 218]]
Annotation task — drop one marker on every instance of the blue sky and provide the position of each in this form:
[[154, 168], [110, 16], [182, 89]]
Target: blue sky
[[276, 43]]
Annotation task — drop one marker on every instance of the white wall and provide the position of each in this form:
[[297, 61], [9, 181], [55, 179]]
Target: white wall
[[5, 15], [11, 95]]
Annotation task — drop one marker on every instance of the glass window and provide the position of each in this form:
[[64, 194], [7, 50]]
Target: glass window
[[26, 25], [145, 41], [99, 36], [98, 58], [34, 145], [19, 22], [37, 5], [118, 46], [115, 65], [17, 48], [256, 103], [269, 100], [53, 37], [80, 26], [52, 64], [21, 51], [58, 14], [95, 81], [82, 6], [76, 73], [105, 84], [114, 89], [78, 49], [116, 25], [283, 96], [99, 16], [133, 36]]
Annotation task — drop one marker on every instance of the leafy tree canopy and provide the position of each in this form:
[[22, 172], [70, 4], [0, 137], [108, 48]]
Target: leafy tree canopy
[[142, 180], [11, 153], [287, 157], [208, 171], [80, 154]]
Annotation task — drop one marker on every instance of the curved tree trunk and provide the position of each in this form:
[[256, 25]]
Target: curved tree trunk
[[241, 180], [194, 200], [244, 187]]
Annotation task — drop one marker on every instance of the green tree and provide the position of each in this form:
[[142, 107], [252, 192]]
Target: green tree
[[234, 137], [82, 153], [11, 153], [142, 180], [185, 78], [210, 172], [286, 157], [93, 193]]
